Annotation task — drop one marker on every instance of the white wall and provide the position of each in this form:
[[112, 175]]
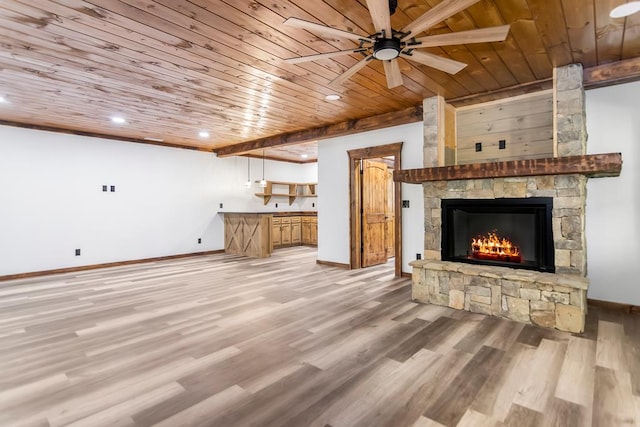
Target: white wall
[[613, 204], [333, 193], [51, 199]]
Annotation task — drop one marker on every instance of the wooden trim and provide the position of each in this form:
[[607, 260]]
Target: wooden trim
[[356, 156], [627, 308], [333, 264], [407, 275], [594, 165], [394, 118], [101, 135], [104, 265], [625, 71]]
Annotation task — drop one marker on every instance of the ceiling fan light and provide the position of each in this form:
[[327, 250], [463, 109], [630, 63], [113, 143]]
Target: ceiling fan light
[[386, 49], [625, 9]]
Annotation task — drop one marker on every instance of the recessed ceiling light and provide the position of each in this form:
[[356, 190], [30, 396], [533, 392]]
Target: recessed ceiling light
[[3, 100], [304, 156], [118, 120], [149, 138], [625, 9], [203, 134], [332, 97]]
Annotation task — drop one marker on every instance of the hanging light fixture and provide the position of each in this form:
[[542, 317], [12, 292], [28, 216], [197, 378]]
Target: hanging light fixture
[[248, 183], [263, 182]]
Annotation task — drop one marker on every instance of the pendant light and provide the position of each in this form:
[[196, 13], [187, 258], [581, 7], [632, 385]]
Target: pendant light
[[263, 182], [248, 183]]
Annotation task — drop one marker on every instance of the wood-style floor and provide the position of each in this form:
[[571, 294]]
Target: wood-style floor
[[228, 341]]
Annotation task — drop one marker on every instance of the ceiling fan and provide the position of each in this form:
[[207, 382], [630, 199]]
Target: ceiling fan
[[387, 44]]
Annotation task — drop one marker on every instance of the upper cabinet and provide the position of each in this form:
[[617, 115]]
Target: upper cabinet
[[292, 190]]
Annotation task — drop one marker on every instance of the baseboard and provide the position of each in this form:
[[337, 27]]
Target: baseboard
[[333, 264], [104, 265], [627, 308], [405, 274]]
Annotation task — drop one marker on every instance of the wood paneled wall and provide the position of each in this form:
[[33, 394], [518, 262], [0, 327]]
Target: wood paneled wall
[[525, 123]]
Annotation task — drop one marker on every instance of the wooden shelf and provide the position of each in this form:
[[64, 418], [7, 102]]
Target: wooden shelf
[[293, 191]]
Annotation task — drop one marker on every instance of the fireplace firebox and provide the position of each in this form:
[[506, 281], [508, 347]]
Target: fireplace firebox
[[514, 232]]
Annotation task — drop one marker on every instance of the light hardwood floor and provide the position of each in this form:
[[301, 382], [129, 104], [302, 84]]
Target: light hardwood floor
[[228, 341]]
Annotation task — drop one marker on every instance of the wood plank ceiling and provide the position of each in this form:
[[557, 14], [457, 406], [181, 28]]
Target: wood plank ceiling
[[173, 68]]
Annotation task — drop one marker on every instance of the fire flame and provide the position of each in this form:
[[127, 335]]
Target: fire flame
[[495, 246]]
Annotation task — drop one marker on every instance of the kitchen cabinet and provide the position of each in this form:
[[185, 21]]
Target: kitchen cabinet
[[248, 234]]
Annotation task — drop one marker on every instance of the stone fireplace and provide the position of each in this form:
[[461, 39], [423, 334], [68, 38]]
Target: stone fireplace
[[550, 299], [544, 282]]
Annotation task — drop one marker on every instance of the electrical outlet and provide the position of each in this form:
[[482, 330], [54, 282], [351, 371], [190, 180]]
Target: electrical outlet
[[405, 203], [418, 256], [199, 241], [502, 144], [478, 147], [221, 205], [104, 188], [113, 188], [77, 252]]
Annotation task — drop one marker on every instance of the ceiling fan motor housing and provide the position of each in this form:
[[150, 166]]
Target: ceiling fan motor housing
[[387, 49]]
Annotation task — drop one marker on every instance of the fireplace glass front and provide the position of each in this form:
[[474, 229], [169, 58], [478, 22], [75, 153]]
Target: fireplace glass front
[[513, 233]]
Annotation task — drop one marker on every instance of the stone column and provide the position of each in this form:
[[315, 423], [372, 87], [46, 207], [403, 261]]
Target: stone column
[[570, 115], [433, 146], [571, 140], [431, 113]]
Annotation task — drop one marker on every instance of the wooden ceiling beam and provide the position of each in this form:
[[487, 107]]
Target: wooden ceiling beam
[[614, 73], [381, 121]]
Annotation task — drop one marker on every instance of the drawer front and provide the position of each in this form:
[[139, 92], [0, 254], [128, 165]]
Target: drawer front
[[295, 220], [286, 220]]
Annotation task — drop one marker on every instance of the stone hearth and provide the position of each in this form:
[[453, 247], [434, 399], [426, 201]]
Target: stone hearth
[[544, 299]]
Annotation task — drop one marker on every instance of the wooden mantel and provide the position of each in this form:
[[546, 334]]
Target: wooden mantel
[[592, 165]]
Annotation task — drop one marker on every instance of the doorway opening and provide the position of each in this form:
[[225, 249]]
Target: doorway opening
[[375, 210]]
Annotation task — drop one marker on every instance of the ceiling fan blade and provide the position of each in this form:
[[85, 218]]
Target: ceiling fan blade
[[434, 61], [351, 71], [392, 72], [327, 55], [380, 15], [436, 14], [491, 34], [317, 28]]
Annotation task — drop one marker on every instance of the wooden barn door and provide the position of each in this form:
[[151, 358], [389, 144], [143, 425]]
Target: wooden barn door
[[374, 208]]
